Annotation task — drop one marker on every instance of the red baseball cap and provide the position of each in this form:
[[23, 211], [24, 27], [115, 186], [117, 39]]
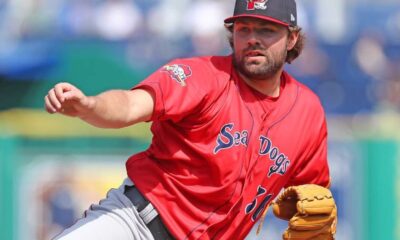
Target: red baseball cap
[[279, 11]]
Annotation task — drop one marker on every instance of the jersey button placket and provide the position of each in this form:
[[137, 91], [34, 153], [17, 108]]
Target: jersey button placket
[[264, 119]]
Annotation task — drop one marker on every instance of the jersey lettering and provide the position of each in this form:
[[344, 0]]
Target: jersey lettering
[[227, 139], [261, 207], [251, 206], [281, 162]]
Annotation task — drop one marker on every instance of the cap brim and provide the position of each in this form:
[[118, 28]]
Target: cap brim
[[232, 19]]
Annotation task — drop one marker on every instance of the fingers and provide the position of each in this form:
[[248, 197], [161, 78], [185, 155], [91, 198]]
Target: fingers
[[48, 105], [52, 103], [54, 99], [72, 95], [67, 91], [59, 90], [60, 95]]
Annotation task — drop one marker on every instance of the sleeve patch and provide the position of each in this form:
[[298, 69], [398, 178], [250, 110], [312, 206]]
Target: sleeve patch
[[178, 72]]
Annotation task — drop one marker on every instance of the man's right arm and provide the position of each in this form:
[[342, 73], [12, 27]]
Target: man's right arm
[[110, 109]]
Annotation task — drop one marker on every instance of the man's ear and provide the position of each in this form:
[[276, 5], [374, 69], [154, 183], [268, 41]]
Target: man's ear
[[292, 39]]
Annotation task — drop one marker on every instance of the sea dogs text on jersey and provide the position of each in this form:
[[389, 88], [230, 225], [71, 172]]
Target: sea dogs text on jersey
[[227, 138], [281, 161]]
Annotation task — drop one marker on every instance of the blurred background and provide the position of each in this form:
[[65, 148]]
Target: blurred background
[[52, 168]]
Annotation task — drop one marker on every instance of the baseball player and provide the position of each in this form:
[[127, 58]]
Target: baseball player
[[229, 134]]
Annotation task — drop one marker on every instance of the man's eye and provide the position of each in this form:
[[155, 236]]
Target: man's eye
[[266, 30], [244, 29]]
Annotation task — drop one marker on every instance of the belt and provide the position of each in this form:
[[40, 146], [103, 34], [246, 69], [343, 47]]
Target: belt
[[148, 214]]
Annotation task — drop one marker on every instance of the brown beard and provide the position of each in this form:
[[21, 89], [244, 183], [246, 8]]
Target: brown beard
[[260, 71]]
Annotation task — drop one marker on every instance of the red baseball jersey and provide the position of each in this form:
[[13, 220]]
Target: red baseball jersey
[[221, 151]]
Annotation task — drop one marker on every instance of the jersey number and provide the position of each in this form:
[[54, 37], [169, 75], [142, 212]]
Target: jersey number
[[261, 207]]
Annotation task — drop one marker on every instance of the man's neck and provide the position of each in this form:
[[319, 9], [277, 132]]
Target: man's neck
[[269, 86]]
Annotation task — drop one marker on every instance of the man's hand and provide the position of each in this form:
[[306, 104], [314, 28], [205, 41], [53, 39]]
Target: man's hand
[[66, 99]]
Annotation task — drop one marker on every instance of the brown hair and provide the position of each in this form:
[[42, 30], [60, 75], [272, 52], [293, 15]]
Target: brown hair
[[291, 54]]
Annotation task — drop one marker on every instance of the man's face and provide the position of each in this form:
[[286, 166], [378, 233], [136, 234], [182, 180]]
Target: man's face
[[260, 47]]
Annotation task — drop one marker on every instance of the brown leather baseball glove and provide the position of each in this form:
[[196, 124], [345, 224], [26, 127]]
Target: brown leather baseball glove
[[310, 210]]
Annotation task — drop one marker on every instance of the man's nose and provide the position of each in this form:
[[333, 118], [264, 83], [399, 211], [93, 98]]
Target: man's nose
[[253, 39]]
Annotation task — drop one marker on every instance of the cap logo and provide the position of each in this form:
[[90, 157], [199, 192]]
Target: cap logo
[[178, 72], [256, 4], [292, 18]]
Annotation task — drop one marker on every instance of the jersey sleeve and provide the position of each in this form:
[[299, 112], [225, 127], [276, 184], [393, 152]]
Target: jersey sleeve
[[314, 168], [178, 88]]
